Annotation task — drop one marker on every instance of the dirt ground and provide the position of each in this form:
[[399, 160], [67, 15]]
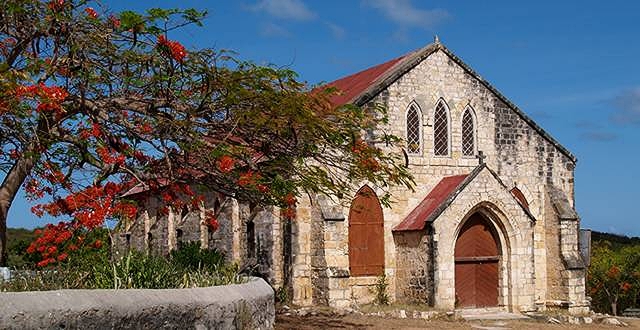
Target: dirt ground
[[355, 321]]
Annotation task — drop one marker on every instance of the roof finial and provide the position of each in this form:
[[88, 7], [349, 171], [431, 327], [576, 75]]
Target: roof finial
[[436, 40]]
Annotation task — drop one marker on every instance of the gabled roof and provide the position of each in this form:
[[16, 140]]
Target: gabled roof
[[442, 195], [362, 87], [354, 85], [417, 219]]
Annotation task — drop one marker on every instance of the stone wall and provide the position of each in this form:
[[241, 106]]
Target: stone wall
[[556, 291], [414, 271], [247, 235], [239, 306]]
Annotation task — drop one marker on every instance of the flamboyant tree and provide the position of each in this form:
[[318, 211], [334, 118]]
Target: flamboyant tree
[[93, 103], [613, 279]]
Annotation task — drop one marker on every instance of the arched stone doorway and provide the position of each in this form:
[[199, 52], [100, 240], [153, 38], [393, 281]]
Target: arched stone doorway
[[366, 234], [477, 264]]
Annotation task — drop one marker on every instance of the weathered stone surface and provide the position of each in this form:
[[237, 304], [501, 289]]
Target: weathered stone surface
[[240, 306]]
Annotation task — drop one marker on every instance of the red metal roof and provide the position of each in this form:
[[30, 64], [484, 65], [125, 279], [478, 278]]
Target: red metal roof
[[417, 219], [352, 86]]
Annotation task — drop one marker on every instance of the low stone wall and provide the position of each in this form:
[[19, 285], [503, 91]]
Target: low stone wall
[[239, 306]]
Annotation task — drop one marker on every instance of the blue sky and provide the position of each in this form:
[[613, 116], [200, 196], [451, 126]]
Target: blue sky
[[571, 65]]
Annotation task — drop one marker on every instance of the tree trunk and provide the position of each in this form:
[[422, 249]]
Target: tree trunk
[[614, 308], [8, 190]]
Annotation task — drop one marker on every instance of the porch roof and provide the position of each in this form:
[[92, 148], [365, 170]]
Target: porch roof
[[417, 219]]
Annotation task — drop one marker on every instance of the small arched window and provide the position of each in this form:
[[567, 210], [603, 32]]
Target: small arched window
[[441, 130], [468, 133], [413, 130]]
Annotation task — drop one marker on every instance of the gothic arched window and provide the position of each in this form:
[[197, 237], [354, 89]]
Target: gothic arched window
[[441, 130], [413, 130], [468, 133]]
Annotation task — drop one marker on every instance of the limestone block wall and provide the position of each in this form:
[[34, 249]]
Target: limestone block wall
[[414, 272], [556, 290], [259, 241], [514, 149], [302, 253], [321, 260], [321, 273], [159, 232]]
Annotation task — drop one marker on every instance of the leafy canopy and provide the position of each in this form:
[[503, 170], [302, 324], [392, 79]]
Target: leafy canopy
[[93, 104]]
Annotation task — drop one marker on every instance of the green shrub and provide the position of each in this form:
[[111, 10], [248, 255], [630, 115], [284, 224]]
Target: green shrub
[[380, 290], [99, 269], [191, 257]]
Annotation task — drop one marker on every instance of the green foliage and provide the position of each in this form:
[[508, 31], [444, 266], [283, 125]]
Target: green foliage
[[89, 99], [282, 295], [613, 279], [616, 241], [380, 290], [20, 239], [191, 257], [91, 268]]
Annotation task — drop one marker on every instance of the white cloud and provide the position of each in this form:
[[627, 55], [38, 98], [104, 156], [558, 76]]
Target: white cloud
[[274, 30], [404, 13], [627, 106], [287, 9], [337, 31]]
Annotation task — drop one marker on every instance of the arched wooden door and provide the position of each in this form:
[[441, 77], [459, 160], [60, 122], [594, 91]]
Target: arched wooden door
[[477, 258], [366, 234]]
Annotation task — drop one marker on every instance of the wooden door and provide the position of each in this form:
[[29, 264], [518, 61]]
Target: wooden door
[[477, 258], [366, 234]]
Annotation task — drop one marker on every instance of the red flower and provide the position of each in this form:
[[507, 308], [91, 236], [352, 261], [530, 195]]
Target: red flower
[[246, 178], [62, 256], [166, 197], [225, 164], [174, 48], [97, 244], [262, 188], [14, 154], [95, 130], [211, 220], [187, 190], [359, 146], [289, 213], [115, 22], [290, 199], [91, 12], [146, 128], [614, 271], [56, 5]]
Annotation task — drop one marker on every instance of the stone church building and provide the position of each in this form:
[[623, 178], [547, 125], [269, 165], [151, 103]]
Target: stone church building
[[491, 222]]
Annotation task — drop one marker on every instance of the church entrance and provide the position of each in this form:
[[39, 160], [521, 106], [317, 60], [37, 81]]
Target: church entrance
[[477, 258]]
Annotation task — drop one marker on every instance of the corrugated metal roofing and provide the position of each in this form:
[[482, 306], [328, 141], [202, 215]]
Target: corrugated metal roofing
[[352, 86], [417, 219]]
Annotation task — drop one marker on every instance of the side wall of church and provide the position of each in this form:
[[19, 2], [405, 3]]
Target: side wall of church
[[257, 247]]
